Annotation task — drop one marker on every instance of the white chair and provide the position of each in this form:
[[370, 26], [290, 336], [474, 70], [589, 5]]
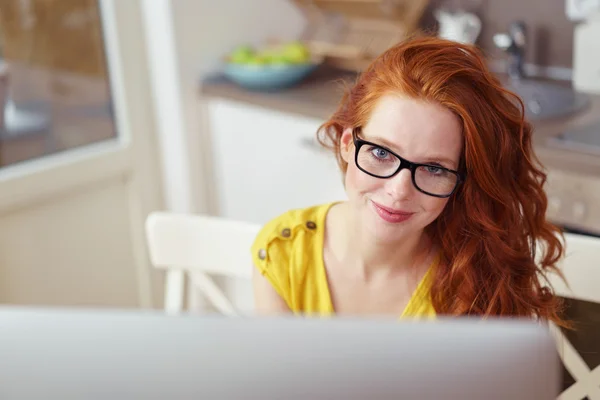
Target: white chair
[[196, 247], [581, 268]]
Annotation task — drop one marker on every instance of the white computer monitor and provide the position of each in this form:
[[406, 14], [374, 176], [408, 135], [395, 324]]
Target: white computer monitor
[[103, 354]]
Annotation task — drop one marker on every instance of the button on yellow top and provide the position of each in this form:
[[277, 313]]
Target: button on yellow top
[[262, 254], [294, 243]]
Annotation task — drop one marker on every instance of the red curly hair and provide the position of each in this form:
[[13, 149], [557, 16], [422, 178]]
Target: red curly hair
[[495, 240]]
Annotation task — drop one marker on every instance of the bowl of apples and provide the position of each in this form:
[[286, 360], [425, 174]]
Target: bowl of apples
[[273, 67]]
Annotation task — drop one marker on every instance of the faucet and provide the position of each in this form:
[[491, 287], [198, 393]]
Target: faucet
[[513, 43]]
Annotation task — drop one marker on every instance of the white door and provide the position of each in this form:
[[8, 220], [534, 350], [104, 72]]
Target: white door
[[79, 160]]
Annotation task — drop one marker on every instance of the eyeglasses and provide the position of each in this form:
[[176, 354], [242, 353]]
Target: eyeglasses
[[380, 162]]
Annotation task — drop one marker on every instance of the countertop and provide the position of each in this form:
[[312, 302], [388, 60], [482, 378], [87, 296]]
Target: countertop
[[319, 95]]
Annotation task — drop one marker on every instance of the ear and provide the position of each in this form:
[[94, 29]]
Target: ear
[[346, 145]]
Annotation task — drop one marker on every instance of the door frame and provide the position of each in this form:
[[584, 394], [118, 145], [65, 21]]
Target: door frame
[[131, 156]]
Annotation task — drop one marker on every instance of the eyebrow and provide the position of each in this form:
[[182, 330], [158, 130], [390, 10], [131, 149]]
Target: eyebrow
[[430, 159]]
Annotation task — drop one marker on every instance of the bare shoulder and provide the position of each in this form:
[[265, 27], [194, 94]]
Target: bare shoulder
[[266, 299]]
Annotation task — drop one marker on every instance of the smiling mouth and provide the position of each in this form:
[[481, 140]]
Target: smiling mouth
[[391, 215]]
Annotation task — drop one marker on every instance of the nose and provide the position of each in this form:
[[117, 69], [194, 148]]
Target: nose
[[400, 186]]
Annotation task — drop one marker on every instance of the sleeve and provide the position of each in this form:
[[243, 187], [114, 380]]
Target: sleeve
[[271, 254]]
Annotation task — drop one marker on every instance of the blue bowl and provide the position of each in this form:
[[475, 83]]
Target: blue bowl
[[267, 77]]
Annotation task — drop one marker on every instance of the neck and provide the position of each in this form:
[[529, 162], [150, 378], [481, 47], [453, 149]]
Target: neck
[[372, 256], [388, 255]]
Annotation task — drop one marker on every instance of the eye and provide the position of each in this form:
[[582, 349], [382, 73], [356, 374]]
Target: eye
[[433, 170], [379, 153]]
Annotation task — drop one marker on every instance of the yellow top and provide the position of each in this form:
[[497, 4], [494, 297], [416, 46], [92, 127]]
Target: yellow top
[[288, 251]]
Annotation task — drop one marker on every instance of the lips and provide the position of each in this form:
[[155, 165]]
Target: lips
[[391, 215]]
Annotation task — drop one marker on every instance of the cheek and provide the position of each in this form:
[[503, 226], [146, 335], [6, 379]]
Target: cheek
[[358, 182], [433, 205]]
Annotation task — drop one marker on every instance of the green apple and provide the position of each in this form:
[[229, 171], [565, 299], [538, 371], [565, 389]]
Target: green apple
[[276, 57], [296, 53], [242, 54], [268, 55], [257, 59]]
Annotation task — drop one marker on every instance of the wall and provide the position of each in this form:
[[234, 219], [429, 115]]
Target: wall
[[205, 30], [550, 32]]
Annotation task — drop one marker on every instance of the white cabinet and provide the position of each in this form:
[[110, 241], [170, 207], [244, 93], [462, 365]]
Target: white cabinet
[[266, 162]]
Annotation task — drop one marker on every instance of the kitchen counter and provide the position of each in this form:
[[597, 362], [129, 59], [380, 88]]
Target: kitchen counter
[[319, 95], [316, 97]]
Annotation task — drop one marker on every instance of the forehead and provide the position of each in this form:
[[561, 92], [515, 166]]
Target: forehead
[[415, 128]]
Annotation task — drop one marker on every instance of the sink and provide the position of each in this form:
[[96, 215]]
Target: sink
[[544, 100]]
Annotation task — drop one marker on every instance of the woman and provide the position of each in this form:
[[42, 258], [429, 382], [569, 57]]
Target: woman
[[446, 208]]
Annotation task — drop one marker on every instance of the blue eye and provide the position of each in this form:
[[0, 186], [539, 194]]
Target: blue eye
[[379, 153], [435, 171]]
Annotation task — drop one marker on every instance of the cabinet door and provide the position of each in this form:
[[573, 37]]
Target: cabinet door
[[266, 162]]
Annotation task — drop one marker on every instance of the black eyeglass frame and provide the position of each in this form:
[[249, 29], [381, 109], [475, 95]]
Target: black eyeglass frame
[[404, 163]]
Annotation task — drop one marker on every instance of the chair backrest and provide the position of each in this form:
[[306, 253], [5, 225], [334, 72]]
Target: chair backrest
[[581, 268], [198, 246]]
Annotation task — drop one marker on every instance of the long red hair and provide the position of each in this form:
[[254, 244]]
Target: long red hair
[[496, 243]]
